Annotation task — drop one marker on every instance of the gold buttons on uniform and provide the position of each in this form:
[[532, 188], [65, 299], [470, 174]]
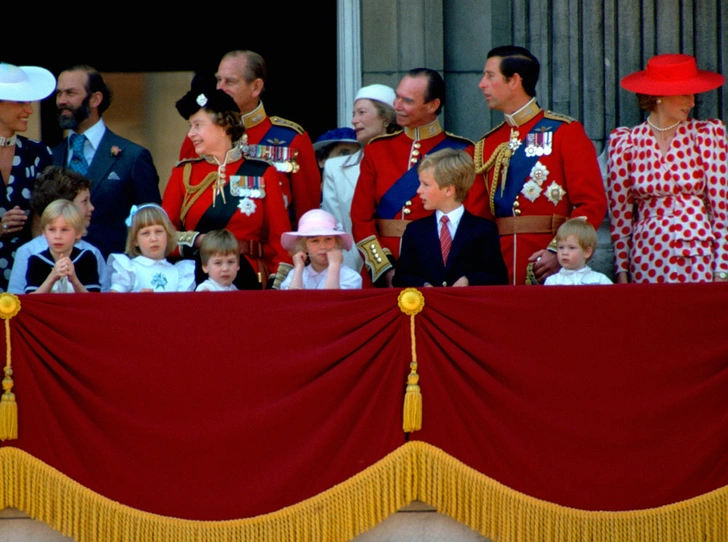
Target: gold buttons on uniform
[[407, 211], [407, 203]]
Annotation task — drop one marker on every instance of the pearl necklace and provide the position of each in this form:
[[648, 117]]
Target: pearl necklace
[[666, 128], [8, 141]]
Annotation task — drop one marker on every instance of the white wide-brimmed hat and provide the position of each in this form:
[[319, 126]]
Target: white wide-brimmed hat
[[315, 223], [380, 93], [25, 83]]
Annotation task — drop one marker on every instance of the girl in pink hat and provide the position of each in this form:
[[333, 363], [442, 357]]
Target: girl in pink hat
[[668, 180], [317, 255]]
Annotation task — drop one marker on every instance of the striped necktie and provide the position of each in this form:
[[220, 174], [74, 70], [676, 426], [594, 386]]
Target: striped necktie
[[445, 238]]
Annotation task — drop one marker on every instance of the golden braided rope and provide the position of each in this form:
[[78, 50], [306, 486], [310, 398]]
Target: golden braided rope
[[500, 158], [193, 193]]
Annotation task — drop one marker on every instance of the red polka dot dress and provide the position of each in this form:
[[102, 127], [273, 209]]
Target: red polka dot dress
[[669, 213]]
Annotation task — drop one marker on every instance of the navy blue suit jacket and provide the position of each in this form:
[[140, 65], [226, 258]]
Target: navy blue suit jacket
[[117, 182], [475, 254]]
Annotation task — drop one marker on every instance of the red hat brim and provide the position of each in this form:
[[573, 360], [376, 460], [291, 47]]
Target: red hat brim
[[671, 75]]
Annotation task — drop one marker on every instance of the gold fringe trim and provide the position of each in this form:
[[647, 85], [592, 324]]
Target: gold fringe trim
[[415, 471], [411, 301], [9, 307], [338, 514]]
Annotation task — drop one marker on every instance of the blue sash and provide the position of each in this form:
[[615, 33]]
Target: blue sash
[[519, 170], [406, 186], [282, 136]]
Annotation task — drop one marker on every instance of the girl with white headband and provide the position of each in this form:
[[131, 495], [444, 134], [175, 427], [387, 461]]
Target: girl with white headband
[[145, 268]]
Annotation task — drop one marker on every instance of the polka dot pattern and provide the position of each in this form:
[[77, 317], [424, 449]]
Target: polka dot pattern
[[669, 213], [30, 159]]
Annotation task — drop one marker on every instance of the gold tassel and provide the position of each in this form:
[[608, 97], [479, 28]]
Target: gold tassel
[[9, 307], [412, 420], [411, 301]]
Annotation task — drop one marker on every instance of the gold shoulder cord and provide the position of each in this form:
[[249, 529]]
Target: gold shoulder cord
[[193, 193], [500, 158]]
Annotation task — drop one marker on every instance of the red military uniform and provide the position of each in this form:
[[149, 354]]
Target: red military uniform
[[302, 184], [564, 182], [386, 159], [259, 218]]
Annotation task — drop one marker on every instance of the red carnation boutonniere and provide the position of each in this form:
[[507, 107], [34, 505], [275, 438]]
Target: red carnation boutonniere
[[115, 151]]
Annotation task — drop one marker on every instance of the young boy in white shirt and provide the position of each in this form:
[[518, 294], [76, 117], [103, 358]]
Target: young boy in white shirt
[[576, 242]]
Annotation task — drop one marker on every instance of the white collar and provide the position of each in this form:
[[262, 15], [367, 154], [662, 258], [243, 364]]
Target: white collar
[[580, 271], [453, 216], [148, 262]]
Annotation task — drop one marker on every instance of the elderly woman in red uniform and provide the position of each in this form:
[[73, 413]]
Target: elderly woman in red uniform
[[223, 189]]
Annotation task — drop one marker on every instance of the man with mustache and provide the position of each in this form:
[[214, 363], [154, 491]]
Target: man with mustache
[[385, 198], [122, 173]]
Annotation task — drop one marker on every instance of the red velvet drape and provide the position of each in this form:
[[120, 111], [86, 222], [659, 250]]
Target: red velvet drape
[[230, 405]]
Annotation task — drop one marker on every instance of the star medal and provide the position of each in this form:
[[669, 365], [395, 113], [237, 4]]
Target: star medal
[[514, 142], [554, 193], [247, 206], [531, 190], [539, 173]]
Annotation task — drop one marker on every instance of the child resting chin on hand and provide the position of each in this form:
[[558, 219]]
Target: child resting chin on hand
[[319, 242]]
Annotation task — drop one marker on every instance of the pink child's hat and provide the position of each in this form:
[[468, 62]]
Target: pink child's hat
[[315, 223]]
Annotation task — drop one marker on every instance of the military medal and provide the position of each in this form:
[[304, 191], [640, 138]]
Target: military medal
[[514, 142], [531, 190], [539, 173], [539, 143], [247, 206], [554, 193], [281, 157]]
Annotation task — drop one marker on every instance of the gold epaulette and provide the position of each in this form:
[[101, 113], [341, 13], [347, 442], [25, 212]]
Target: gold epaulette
[[558, 116], [375, 257], [480, 145], [287, 123], [187, 161], [384, 136], [490, 131], [458, 137]]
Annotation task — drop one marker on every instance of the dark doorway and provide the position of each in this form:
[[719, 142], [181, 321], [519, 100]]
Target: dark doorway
[[298, 41]]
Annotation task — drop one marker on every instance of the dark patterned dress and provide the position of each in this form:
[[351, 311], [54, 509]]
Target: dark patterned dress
[[31, 158]]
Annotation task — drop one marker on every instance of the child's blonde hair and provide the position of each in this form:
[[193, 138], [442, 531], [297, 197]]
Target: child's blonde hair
[[221, 242], [451, 167], [149, 214], [301, 243], [584, 233], [66, 209]]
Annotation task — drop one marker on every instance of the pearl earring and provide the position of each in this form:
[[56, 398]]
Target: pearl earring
[[659, 100]]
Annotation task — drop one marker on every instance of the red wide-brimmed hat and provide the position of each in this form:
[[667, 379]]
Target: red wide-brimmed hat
[[672, 75]]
